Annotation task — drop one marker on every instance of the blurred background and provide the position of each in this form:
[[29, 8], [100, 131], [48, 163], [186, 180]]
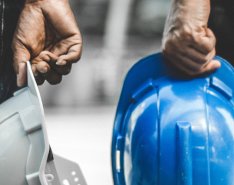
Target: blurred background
[[80, 111]]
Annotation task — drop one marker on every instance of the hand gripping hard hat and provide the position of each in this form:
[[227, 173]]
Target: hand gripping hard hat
[[174, 132]]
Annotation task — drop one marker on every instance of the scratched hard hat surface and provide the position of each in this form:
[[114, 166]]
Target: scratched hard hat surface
[[169, 131]]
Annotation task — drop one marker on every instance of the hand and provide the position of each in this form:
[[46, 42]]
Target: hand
[[48, 36], [188, 44]]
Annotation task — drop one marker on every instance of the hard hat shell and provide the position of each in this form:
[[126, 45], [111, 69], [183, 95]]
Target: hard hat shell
[[169, 131]]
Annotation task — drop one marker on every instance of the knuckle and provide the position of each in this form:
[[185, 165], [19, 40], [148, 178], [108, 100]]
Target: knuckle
[[209, 47], [44, 57], [187, 33], [44, 53], [212, 36], [36, 60], [214, 40], [34, 46]]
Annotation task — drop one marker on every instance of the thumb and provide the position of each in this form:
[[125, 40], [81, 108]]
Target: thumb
[[21, 56]]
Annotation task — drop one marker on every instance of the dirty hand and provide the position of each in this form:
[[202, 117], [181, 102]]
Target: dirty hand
[[188, 44], [48, 36]]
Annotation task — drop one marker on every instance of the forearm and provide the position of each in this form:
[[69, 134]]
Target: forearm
[[192, 13]]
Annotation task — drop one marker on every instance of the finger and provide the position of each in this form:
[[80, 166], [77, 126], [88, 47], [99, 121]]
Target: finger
[[181, 58], [204, 44], [188, 70], [62, 70], [37, 74], [210, 67], [176, 65], [188, 60], [185, 64], [42, 67], [68, 45], [193, 68], [175, 48], [199, 57], [39, 79], [20, 55], [40, 63], [60, 17], [52, 77], [47, 56], [43, 62], [72, 56]]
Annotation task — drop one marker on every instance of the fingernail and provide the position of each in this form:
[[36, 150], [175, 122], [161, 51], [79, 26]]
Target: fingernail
[[217, 64], [61, 62]]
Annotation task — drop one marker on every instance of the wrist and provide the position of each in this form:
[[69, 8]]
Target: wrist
[[193, 13]]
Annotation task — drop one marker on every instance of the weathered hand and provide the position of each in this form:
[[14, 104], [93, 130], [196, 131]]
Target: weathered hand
[[48, 36], [188, 44]]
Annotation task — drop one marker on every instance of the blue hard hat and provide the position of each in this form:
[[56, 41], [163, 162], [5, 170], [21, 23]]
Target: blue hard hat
[[169, 131]]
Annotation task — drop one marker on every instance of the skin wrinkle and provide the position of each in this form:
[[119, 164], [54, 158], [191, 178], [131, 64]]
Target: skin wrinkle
[[48, 43], [188, 44]]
